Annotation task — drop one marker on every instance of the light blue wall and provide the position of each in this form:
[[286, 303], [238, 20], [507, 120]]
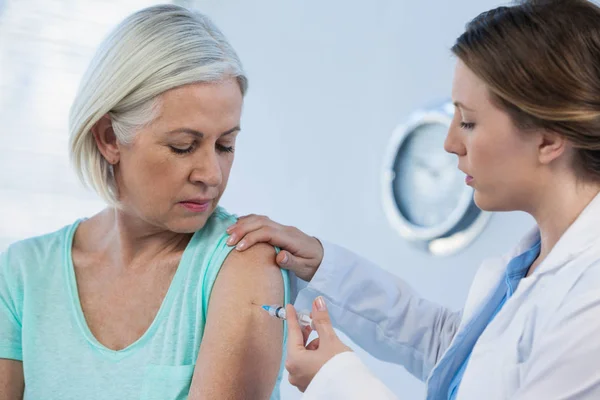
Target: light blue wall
[[329, 80]]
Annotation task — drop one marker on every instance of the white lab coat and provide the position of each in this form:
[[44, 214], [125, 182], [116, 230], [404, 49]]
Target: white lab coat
[[544, 344]]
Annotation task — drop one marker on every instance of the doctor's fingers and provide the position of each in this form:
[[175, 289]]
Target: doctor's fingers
[[302, 365], [328, 339], [306, 331], [285, 259], [269, 229], [296, 360], [321, 320], [313, 345], [296, 337], [253, 229]]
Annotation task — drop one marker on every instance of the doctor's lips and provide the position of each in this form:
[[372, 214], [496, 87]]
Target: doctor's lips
[[197, 204], [468, 178]]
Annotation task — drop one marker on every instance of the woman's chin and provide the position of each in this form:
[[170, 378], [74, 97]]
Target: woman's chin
[[187, 224]]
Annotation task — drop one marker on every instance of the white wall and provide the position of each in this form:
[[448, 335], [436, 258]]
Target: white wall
[[329, 80]]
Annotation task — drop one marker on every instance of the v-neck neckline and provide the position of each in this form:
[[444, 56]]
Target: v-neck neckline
[[79, 316]]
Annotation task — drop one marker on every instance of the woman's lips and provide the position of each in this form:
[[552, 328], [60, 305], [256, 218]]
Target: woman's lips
[[196, 206]]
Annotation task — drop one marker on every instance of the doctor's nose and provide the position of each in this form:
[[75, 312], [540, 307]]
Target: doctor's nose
[[453, 143]]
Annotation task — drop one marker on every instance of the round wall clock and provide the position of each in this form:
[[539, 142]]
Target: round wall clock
[[424, 193]]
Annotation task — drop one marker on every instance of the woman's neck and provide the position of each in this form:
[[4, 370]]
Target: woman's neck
[[556, 211], [128, 241]]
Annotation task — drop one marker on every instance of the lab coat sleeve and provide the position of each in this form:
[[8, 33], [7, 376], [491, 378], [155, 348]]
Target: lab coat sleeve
[[564, 365], [346, 377], [380, 312]]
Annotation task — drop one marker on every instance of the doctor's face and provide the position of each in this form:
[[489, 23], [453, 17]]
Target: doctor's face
[[500, 160]]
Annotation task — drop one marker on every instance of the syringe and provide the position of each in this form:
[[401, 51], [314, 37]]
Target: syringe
[[279, 312]]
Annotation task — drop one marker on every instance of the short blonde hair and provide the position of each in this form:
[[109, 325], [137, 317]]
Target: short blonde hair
[[153, 50]]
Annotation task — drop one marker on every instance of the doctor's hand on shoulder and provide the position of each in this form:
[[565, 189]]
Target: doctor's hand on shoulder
[[301, 253], [304, 359]]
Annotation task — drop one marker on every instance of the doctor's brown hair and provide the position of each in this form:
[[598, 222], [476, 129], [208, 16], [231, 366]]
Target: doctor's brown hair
[[541, 63]]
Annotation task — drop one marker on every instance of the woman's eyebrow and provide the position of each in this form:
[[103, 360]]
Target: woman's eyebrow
[[200, 134]]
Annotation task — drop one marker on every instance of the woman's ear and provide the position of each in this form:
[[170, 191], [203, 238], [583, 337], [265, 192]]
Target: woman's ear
[[106, 140], [551, 146]]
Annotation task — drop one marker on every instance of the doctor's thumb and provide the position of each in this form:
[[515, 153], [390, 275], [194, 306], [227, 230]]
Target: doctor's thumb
[[321, 320], [286, 260]]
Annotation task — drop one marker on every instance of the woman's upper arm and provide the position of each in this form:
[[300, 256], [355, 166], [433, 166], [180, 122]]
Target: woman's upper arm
[[12, 383], [11, 368], [241, 350]]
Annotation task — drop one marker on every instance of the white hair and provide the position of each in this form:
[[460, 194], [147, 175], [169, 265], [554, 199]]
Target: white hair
[[153, 50]]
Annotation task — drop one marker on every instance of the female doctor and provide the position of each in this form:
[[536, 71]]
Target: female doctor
[[527, 135]]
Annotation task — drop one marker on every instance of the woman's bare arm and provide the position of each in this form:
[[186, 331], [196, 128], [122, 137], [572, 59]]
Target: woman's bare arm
[[12, 383], [241, 350]]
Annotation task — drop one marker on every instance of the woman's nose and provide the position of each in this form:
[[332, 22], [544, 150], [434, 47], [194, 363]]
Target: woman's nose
[[207, 170], [453, 143]]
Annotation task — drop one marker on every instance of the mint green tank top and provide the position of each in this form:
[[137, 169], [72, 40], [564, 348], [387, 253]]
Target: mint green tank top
[[42, 323]]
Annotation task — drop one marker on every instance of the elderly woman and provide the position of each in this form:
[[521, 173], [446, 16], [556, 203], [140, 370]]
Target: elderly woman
[[143, 299]]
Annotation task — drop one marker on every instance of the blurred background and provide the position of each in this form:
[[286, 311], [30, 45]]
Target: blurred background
[[329, 82]]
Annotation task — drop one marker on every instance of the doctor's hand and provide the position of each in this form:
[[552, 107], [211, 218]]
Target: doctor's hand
[[299, 253], [305, 360]]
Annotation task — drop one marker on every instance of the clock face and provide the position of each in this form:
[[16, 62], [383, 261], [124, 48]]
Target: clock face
[[424, 193], [428, 188]]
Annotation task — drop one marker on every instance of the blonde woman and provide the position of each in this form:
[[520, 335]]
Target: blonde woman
[[143, 300]]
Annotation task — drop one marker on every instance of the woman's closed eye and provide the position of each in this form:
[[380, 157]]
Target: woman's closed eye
[[224, 149], [186, 149], [467, 125], [182, 149]]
